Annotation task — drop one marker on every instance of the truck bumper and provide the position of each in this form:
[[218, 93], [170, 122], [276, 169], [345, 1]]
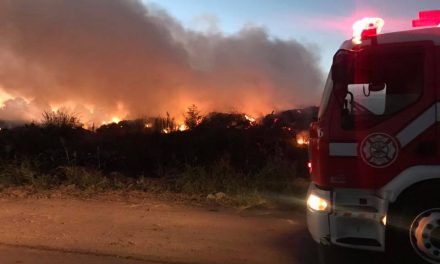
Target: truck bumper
[[354, 219]]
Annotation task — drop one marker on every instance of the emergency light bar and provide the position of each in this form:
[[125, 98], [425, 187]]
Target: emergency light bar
[[427, 19], [366, 27]]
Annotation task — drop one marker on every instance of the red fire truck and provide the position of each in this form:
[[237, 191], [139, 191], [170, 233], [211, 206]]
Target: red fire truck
[[375, 148]]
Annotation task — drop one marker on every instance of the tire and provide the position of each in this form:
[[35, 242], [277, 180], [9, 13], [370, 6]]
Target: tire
[[413, 226]]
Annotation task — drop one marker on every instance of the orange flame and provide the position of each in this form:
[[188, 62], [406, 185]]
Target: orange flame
[[250, 118], [116, 119], [182, 127], [302, 138]]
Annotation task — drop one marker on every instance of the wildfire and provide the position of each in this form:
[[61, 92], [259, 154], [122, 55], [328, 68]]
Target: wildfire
[[250, 118], [116, 119], [165, 128], [182, 127], [302, 138]]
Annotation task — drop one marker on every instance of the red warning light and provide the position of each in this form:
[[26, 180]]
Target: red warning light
[[427, 19], [366, 27]]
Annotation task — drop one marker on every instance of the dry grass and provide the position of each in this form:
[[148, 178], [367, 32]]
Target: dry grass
[[275, 184]]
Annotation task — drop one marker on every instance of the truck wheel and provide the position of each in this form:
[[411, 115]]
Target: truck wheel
[[413, 228]]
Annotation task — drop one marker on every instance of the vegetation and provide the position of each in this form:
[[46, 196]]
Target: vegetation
[[193, 117], [223, 152], [60, 118]]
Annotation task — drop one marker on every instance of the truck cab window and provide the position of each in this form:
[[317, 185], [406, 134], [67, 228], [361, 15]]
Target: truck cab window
[[366, 100], [383, 84]]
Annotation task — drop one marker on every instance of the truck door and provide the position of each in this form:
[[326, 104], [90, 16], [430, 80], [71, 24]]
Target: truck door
[[387, 115]]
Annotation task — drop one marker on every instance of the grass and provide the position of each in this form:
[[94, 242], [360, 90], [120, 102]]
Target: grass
[[275, 181], [275, 176], [18, 173]]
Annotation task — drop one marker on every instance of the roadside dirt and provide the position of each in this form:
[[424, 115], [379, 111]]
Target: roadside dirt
[[145, 228]]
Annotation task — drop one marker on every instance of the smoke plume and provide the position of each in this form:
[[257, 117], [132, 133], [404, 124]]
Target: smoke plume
[[119, 58]]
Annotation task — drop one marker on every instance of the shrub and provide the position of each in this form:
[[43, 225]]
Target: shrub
[[17, 173], [60, 118], [84, 178]]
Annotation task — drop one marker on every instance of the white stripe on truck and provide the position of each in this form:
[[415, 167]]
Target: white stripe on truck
[[405, 136], [417, 126]]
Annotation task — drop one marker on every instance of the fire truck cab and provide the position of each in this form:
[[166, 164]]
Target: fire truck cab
[[375, 148]]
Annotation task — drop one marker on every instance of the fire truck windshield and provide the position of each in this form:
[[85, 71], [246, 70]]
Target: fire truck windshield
[[379, 82]]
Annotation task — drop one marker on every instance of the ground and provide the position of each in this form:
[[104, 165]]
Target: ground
[[105, 229]]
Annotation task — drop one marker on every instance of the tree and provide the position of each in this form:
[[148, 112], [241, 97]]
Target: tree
[[192, 117]]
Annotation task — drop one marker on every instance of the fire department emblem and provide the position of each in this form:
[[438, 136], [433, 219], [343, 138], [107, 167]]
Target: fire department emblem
[[379, 150]]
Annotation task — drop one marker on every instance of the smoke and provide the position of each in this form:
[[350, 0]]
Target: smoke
[[106, 58]]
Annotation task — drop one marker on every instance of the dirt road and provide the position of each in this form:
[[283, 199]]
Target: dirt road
[[15, 255], [147, 231]]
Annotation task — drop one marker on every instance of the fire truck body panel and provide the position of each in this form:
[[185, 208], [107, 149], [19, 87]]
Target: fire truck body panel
[[388, 146], [411, 131]]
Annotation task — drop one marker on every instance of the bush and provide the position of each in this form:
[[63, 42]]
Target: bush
[[226, 152], [61, 118], [17, 173], [84, 178]]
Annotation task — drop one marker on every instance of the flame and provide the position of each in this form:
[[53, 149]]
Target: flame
[[302, 138], [250, 118], [116, 119], [55, 108], [182, 127]]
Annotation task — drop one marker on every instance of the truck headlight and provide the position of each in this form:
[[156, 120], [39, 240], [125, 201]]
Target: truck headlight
[[384, 220], [317, 203]]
